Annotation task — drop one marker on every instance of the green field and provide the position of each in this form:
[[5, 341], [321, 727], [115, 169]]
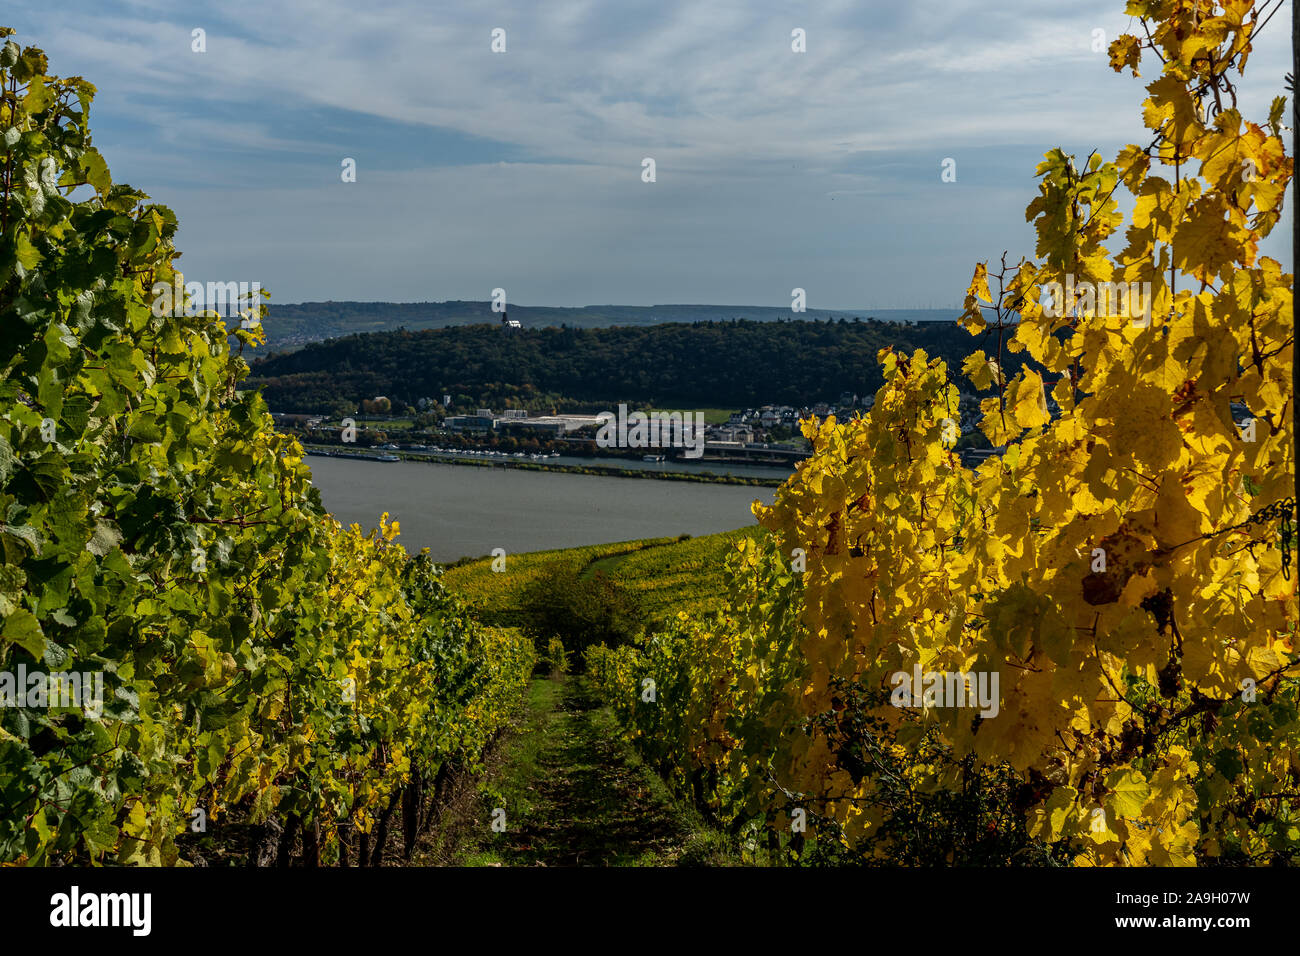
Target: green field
[[712, 416], [667, 574]]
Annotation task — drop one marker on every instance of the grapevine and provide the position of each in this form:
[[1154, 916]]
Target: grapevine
[[263, 666], [1104, 564]]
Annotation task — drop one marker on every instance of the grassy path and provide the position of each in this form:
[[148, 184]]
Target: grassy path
[[575, 794]]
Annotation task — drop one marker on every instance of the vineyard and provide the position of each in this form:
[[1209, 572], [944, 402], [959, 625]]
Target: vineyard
[[667, 575], [275, 686], [1123, 572], [1082, 652]]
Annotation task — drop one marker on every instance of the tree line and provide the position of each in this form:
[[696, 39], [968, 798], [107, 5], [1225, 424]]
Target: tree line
[[729, 364]]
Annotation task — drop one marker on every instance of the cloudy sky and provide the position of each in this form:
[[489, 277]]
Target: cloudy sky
[[523, 169]]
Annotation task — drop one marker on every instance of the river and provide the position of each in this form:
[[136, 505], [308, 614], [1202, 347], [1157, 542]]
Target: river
[[463, 510]]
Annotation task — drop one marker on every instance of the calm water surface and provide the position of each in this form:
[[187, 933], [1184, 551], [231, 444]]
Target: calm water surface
[[459, 510]]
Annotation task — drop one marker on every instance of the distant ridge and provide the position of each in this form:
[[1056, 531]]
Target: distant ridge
[[291, 325], [673, 365]]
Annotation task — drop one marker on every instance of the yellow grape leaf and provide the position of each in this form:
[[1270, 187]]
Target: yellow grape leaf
[[1263, 661], [1129, 791], [1209, 241], [1133, 163], [980, 370], [979, 285], [1177, 522], [1126, 51], [1171, 108], [1030, 401]]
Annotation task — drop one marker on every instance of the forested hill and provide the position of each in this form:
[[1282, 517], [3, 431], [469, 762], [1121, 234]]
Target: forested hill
[[706, 364], [293, 325]]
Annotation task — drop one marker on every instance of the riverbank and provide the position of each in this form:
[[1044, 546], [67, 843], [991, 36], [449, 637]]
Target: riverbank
[[603, 471]]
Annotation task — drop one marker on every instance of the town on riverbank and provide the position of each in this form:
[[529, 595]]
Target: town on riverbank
[[759, 445]]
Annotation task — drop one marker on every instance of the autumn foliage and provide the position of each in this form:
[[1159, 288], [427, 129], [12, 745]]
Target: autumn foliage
[[1124, 564]]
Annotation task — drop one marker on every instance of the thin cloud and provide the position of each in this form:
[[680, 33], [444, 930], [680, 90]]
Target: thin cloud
[[769, 158]]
